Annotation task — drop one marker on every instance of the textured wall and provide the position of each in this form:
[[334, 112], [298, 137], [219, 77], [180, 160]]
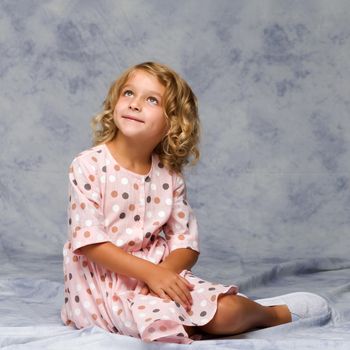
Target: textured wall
[[272, 78]]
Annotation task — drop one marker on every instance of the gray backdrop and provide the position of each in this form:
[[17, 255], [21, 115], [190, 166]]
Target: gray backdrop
[[272, 79]]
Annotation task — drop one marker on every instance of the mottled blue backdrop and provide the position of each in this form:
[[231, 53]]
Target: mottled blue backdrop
[[272, 79]]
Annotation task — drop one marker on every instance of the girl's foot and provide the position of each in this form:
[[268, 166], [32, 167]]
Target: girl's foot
[[301, 304]]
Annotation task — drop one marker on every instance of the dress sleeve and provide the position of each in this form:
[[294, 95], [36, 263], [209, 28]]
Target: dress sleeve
[[85, 211], [181, 229]]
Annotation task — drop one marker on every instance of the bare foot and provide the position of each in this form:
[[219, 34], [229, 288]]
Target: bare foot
[[282, 314]]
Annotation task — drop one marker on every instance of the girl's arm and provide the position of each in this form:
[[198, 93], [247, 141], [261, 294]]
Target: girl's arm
[[180, 259], [162, 281]]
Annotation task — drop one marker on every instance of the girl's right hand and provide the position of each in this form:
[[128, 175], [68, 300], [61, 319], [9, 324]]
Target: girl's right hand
[[168, 284]]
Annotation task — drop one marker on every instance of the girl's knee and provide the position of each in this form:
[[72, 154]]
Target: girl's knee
[[228, 313]]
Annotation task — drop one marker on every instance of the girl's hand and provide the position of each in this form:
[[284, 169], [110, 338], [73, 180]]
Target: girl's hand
[[167, 284]]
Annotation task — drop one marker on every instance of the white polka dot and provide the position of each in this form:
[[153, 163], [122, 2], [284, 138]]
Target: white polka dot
[[168, 201], [94, 195], [106, 222], [153, 187], [161, 214], [203, 303], [149, 214], [67, 260], [111, 178], [195, 244], [143, 298], [77, 217], [129, 231], [115, 208], [88, 223], [79, 243], [159, 251], [157, 173], [127, 324], [120, 242], [142, 201], [77, 312], [93, 168], [142, 315], [108, 162], [79, 287], [178, 226], [152, 260], [103, 179], [100, 237], [172, 310], [200, 290], [153, 302], [79, 170], [124, 181], [115, 307], [165, 317], [86, 304], [64, 252], [92, 286]]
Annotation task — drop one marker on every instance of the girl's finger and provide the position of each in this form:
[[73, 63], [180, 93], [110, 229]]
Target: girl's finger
[[177, 298]]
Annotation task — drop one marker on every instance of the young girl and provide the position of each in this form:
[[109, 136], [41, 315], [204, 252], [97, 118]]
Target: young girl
[[132, 233]]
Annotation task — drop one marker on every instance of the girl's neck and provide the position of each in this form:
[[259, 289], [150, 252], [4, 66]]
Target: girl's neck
[[132, 155]]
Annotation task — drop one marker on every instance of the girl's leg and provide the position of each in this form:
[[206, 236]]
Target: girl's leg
[[236, 314]]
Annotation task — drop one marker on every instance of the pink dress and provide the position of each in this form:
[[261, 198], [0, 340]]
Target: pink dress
[[147, 216]]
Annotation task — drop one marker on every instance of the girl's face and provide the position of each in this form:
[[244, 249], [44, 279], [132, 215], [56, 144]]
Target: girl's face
[[139, 110]]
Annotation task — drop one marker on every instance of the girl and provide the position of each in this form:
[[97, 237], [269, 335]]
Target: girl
[[132, 233]]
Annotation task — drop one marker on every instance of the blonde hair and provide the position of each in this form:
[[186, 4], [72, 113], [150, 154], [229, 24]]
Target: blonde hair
[[180, 110]]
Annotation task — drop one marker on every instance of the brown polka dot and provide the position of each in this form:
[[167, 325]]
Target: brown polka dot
[[114, 229], [74, 206], [82, 205], [148, 234], [110, 284], [74, 234], [75, 258], [116, 167], [157, 200], [89, 291], [148, 319], [137, 217], [181, 237], [98, 301], [104, 169], [148, 199], [181, 318], [122, 215], [190, 312], [125, 195], [75, 182], [211, 288], [115, 297], [166, 301], [141, 307], [69, 245], [70, 221], [65, 300], [132, 207], [94, 316], [119, 311], [163, 328], [96, 205], [131, 243], [160, 165], [156, 223], [85, 263], [181, 214], [165, 186], [77, 299], [136, 186], [114, 194], [92, 178], [155, 310], [213, 298], [87, 234], [94, 159], [147, 179], [203, 313], [87, 187], [151, 330], [77, 228], [103, 278], [70, 276]]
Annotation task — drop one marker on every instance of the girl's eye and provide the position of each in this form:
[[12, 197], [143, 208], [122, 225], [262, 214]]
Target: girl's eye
[[127, 93], [153, 100]]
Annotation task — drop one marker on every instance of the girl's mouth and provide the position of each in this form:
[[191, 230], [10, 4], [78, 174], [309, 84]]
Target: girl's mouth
[[130, 117]]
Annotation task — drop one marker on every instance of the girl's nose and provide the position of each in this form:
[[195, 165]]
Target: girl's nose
[[135, 105]]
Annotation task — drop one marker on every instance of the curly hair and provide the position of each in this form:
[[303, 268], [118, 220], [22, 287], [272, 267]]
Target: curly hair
[[180, 143]]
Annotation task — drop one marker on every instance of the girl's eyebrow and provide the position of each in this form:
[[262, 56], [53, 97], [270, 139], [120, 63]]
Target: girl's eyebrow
[[151, 92]]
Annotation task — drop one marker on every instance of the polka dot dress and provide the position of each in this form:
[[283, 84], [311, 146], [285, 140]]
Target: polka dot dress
[[147, 216]]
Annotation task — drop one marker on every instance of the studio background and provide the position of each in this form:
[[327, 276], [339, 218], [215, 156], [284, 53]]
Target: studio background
[[272, 79]]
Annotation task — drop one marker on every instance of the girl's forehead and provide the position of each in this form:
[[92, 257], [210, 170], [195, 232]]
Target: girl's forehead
[[139, 76]]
